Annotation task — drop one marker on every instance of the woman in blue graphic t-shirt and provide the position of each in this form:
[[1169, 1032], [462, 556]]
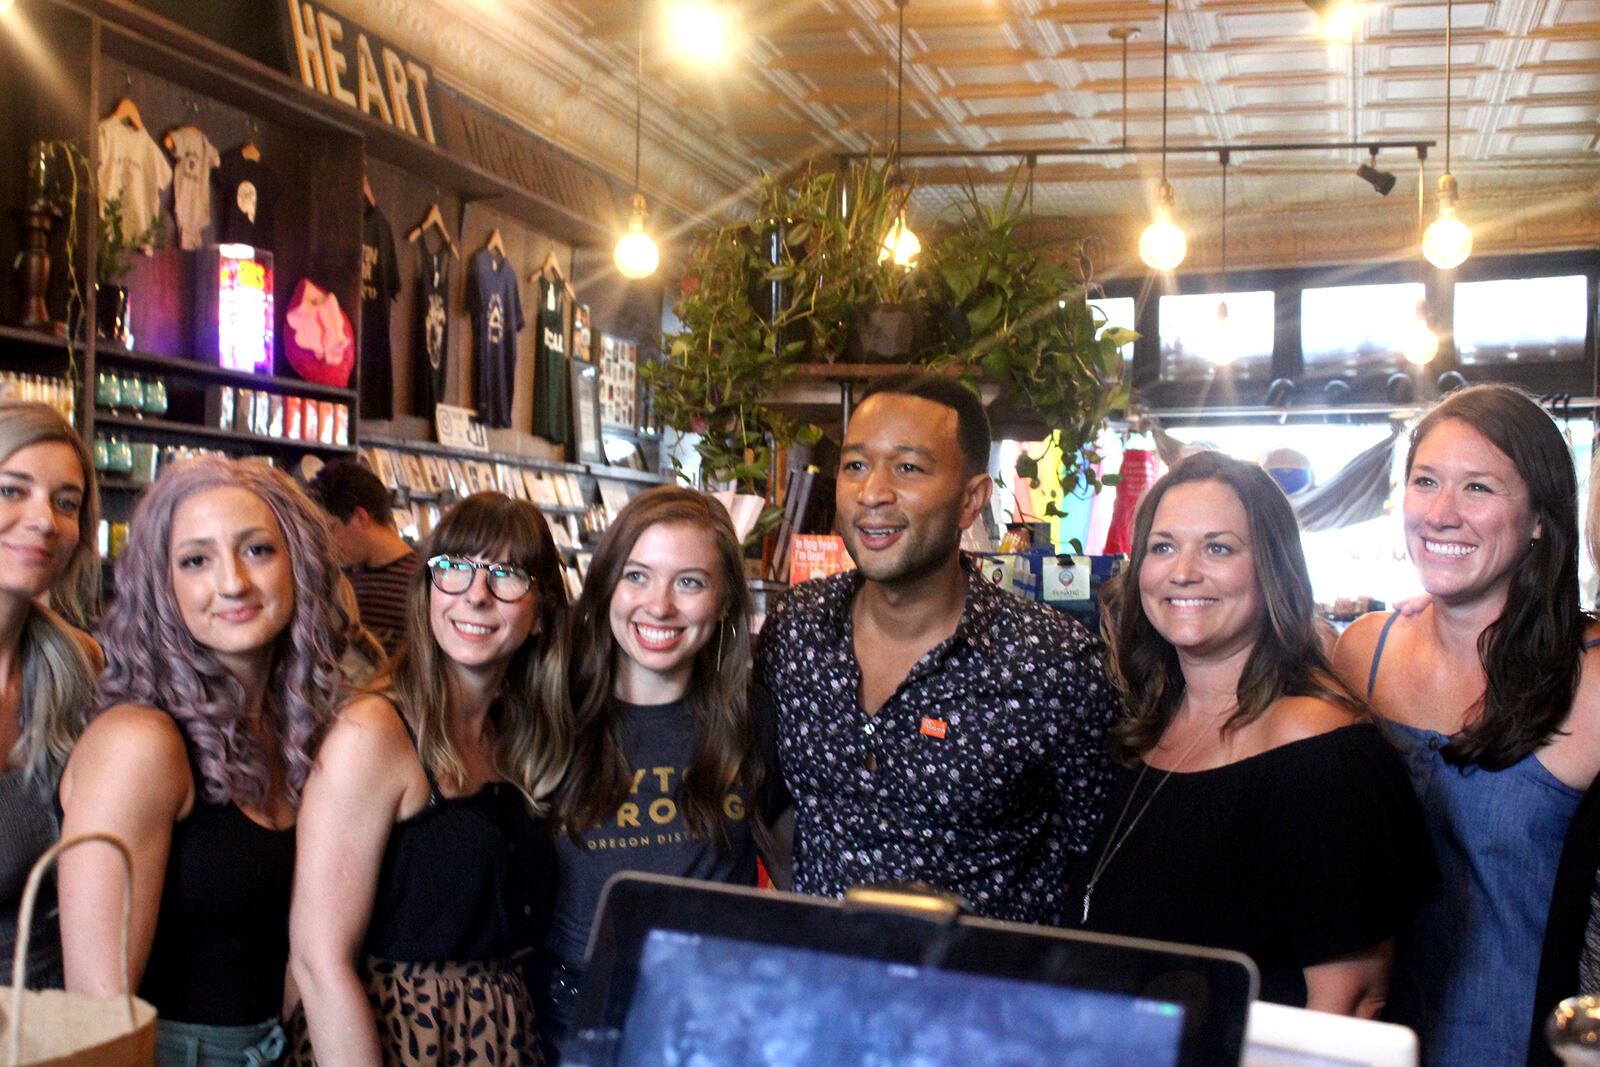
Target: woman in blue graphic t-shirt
[[670, 753]]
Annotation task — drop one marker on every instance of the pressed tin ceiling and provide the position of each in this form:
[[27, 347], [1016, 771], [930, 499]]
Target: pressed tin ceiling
[[812, 78]]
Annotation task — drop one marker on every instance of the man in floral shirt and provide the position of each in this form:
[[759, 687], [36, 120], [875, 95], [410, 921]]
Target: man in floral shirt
[[932, 727]]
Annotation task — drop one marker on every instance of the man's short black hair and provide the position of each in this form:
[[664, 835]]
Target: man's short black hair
[[972, 422], [344, 485]]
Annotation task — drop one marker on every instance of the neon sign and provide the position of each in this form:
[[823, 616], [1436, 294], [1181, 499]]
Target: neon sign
[[244, 309]]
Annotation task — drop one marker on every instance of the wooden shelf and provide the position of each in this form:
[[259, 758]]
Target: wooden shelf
[[211, 433], [628, 474], [194, 368], [429, 448], [35, 338], [117, 484]]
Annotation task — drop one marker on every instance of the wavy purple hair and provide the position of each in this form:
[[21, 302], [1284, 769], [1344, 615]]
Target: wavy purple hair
[[152, 659]]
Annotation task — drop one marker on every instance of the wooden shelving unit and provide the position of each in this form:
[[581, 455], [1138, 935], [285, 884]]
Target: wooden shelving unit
[[210, 372]]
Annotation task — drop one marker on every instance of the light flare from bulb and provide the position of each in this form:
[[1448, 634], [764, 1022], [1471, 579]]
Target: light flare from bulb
[[636, 254], [1163, 245], [1223, 347], [900, 245], [698, 31], [1340, 23], [1419, 345], [1447, 242]]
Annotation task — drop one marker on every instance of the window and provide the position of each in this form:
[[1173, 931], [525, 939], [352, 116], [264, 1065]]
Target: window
[[1195, 339], [1521, 320], [1349, 330]]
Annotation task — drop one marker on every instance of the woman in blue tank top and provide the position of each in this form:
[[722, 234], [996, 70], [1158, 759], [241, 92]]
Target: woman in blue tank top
[[222, 669], [1486, 693]]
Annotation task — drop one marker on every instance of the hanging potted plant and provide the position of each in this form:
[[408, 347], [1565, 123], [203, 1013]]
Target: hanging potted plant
[[1020, 319], [116, 243]]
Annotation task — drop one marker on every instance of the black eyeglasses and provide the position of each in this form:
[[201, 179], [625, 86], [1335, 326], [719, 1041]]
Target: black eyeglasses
[[455, 574]]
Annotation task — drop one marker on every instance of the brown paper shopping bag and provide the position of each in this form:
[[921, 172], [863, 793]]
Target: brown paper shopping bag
[[53, 1028]]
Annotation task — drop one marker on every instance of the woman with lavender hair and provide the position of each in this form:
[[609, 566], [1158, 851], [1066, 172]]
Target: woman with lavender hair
[[222, 652]]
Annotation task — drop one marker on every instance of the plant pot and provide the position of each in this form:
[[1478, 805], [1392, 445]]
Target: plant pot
[[111, 313], [887, 333]]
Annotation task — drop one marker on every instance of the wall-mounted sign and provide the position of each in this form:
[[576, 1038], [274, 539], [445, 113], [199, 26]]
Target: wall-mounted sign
[[512, 153], [235, 320], [340, 59], [456, 428]]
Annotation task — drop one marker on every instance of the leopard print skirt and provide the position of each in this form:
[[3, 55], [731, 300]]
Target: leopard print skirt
[[442, 1015]]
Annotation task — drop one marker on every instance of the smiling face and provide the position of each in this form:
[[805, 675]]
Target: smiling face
[[1468, 519], [904, 494], [474, 630], [231, 575], [667, 604], [41, 495], [1197, 582]]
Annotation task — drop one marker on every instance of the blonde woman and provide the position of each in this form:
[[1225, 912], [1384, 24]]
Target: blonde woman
[[48, 515]]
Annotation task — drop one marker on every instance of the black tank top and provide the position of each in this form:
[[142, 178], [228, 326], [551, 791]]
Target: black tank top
[[466, 879], [222, 935]]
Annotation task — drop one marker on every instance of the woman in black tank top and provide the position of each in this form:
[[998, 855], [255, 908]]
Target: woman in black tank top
[[222, 652], [425, 873]]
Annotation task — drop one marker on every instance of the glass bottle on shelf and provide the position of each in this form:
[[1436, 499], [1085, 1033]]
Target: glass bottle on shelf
[[121, 456], [105, 390], [131, 391], [155, 397], [102, 453]]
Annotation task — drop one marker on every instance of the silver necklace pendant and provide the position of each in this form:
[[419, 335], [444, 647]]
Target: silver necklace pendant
[[1087, 893]]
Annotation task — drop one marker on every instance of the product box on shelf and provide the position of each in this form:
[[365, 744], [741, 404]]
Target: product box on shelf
[[293, 418]]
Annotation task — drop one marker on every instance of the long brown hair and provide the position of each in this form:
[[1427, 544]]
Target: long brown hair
[[1288, 657], [724, 750], [1533, 652], [532, 737]]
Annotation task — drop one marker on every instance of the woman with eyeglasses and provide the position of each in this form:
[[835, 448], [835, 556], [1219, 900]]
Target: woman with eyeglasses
[[673, 768], [424, 871]]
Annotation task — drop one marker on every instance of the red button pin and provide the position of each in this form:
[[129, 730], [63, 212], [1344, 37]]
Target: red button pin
[[934, 727]]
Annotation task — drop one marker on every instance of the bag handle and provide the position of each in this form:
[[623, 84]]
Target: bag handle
[[19, 959]]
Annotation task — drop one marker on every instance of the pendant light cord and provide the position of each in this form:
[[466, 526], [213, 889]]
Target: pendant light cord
[[1224, 222], [1448, 77], [1166, 17], [900, 81], [638, 97]]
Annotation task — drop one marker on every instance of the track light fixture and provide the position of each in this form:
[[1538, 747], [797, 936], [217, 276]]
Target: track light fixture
[[1381, 180]]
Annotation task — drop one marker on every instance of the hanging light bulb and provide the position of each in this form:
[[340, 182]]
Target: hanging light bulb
[[636, 255], [699, 32], [1419, 344], [1224, 347], [1163, 245], [1447, 242], [900, 244]]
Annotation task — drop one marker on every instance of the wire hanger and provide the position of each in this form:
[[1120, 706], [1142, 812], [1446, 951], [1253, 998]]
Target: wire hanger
[[434, 219]]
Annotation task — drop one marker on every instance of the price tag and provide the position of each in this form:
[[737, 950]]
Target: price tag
[[456, 428]]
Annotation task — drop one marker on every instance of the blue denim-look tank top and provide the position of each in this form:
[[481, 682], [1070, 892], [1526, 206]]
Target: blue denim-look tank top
[[1465, 972]]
